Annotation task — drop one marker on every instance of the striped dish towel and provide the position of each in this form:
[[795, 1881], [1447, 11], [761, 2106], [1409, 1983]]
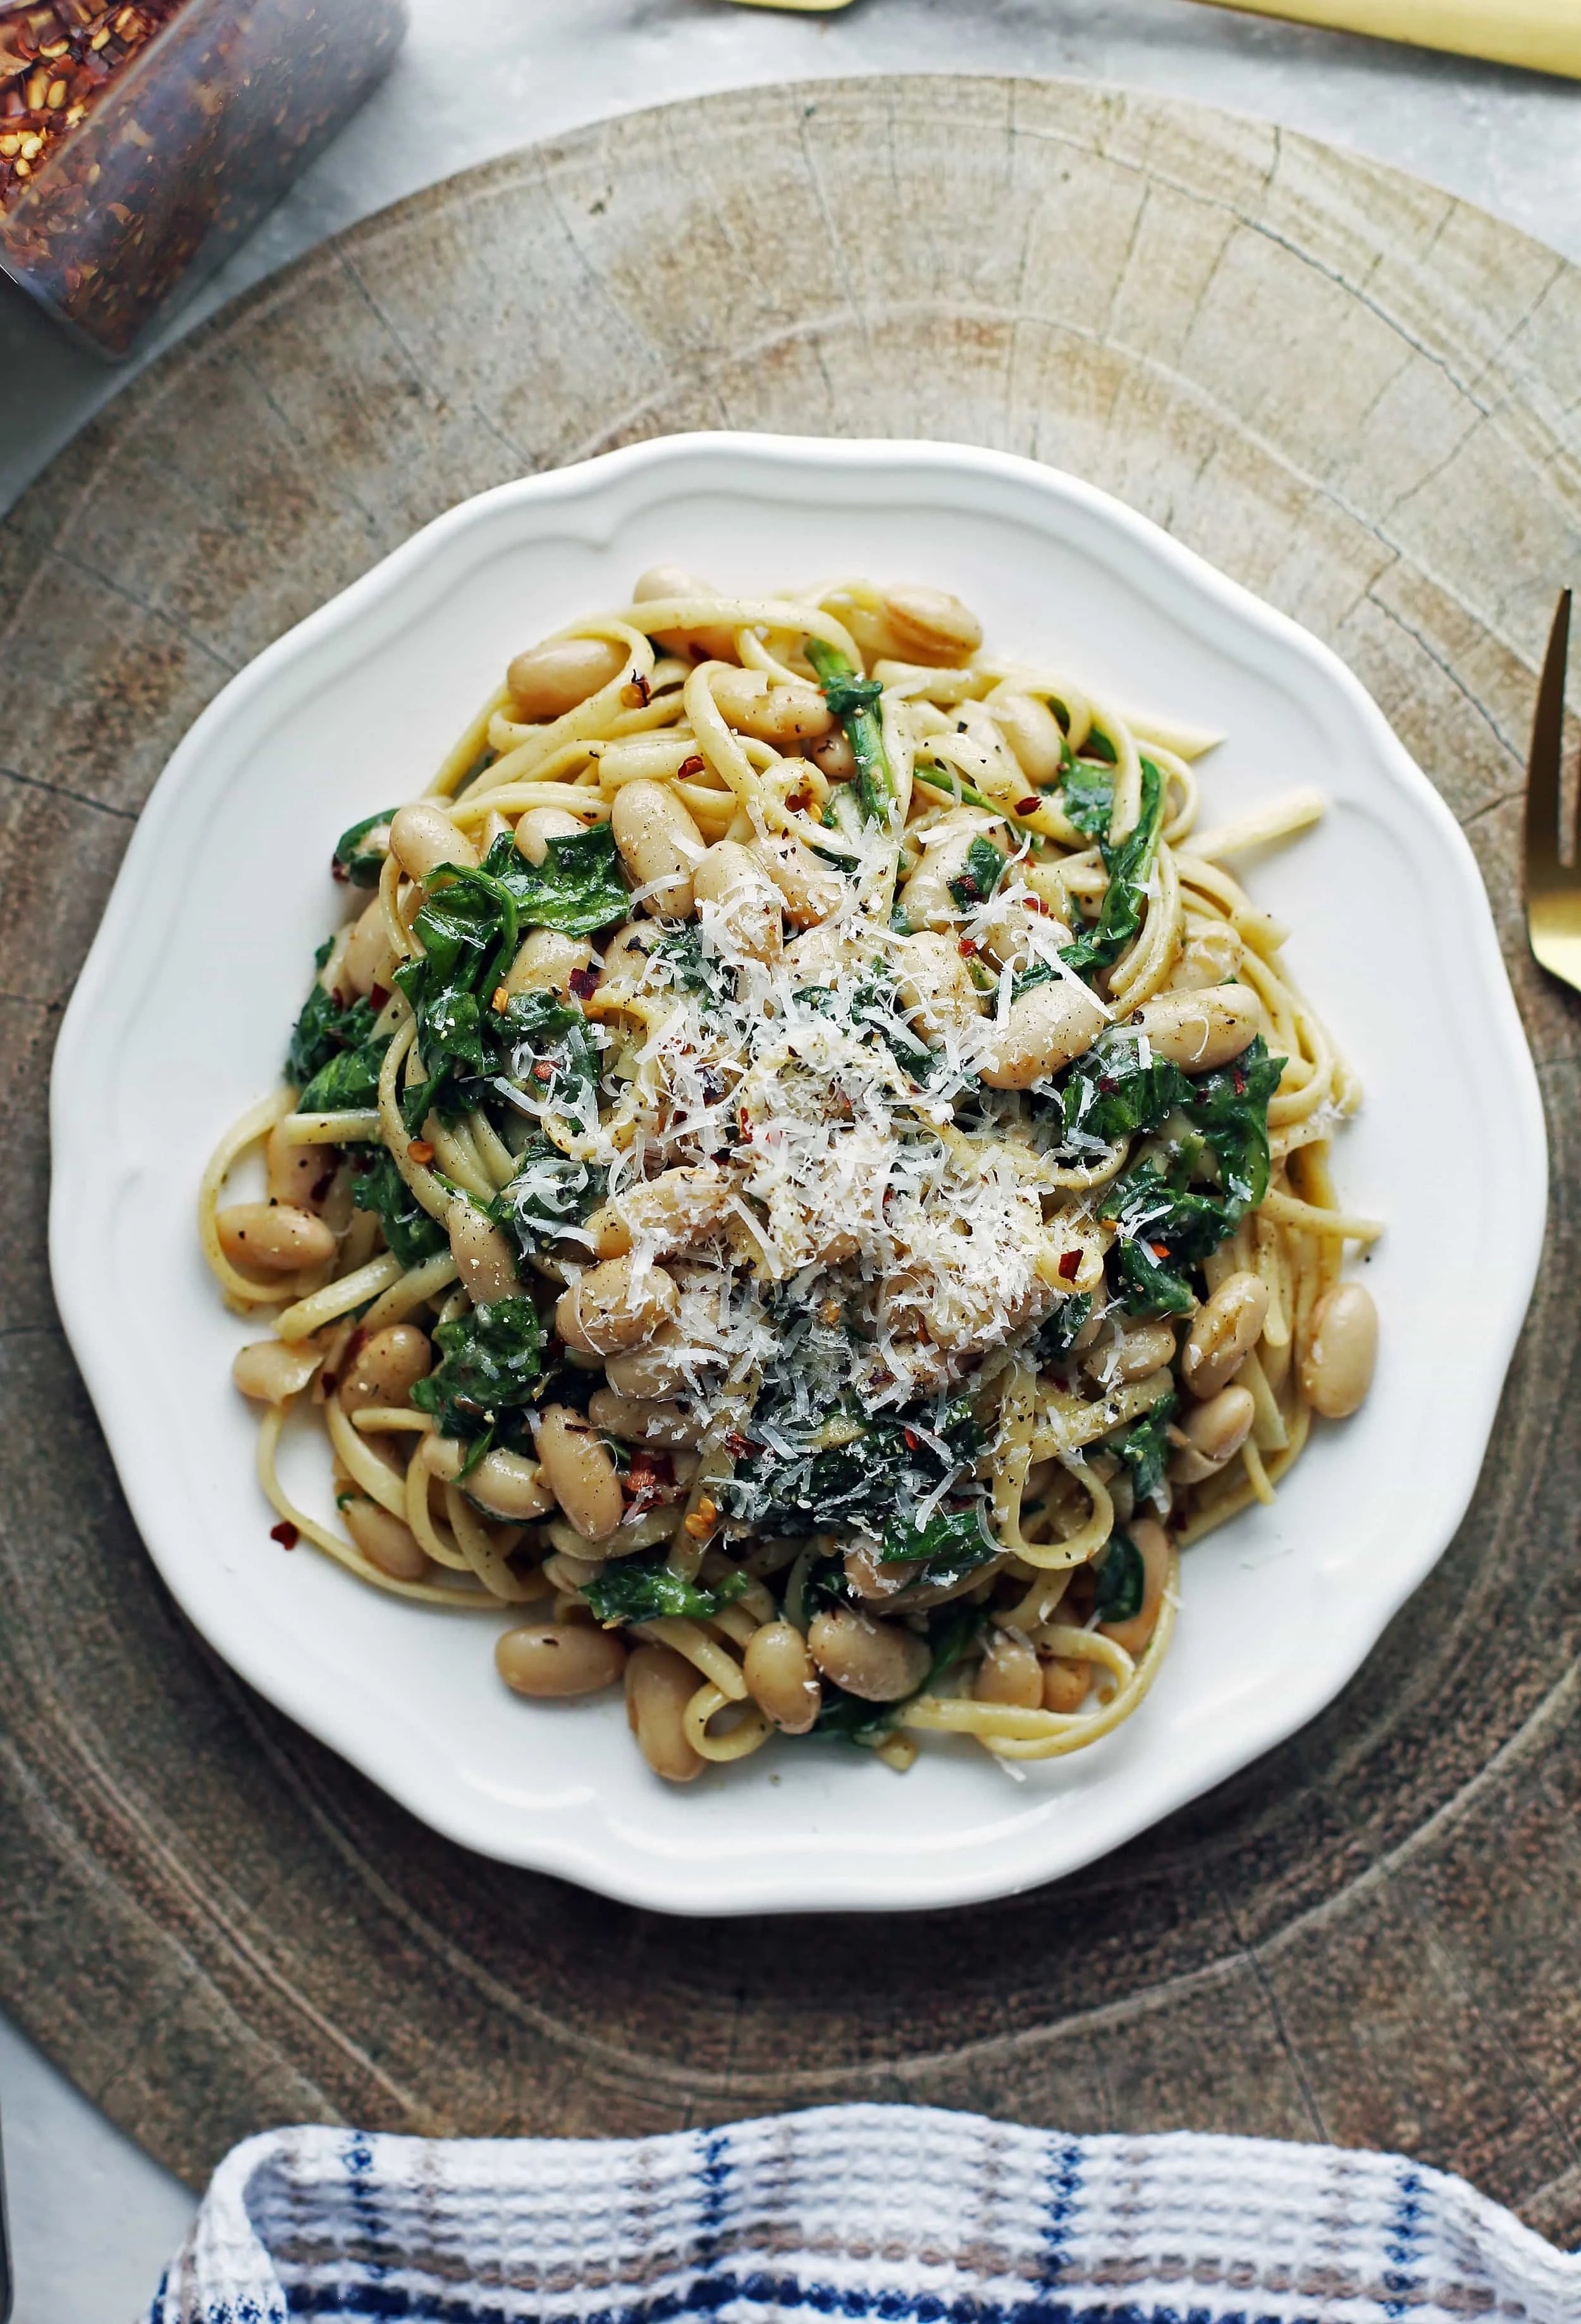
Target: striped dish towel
[[903, 2215]]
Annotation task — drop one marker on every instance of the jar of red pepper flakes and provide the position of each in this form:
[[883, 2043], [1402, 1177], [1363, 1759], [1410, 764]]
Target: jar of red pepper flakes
[[140, 142]]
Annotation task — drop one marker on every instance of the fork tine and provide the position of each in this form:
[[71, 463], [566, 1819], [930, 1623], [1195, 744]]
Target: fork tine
[[1548, 731]]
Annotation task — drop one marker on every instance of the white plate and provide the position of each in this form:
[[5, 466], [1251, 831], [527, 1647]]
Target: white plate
[[180, 1018]]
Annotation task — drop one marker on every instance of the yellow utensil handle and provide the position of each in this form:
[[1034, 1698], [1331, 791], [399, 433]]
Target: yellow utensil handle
[[1543, 35]]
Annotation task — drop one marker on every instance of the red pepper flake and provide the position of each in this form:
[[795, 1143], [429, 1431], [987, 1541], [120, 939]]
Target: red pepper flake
[[499, 1000], [378, 994], [420, 1150], [285, 1534], [638, 693], [966, 883], [743, 1124], [543, 1071], [584, 982], [1028, 806], [692, 766], [737, 1445], [968, 946], [338, 871], [911, 1439], [1240, 1082], [1160, 1250], [1069, 1266]]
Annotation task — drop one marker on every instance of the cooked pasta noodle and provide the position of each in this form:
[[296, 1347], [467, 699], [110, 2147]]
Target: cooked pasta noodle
[[807, 1172]]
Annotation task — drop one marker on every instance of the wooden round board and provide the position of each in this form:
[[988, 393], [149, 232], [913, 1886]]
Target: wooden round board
[[1355, 394]]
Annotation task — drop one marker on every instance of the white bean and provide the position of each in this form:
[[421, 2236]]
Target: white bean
[[1135, 1350], [422, 837], [1200, 1030], [782, 1677], [930, 625], [274, 1237], [548, 680], [1046, 1027], [1031, 731], [1216, 1432], [935, 985], [809, 891], [739, 902], [295, 1171], [658, 841], [1211, 954], [662, 581], [926, 898], [271, 1371], [506, 1484], [667, 1213], [538, 826], [579, 1472], [1009, 1672], [484, 1259], [1341, 1352], [546, 962], [659, 1685], [1226, 1329], [643, 1420], [615, 1307], [554, 1661], [652, 1372], [368, 959], [384, 1540], [875, 1660], [384, 1367], [771, 714]]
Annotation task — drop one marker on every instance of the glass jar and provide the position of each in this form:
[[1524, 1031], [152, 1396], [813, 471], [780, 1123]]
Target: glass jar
[[140, 142]]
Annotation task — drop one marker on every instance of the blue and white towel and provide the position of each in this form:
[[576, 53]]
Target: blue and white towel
[[902, 2214]]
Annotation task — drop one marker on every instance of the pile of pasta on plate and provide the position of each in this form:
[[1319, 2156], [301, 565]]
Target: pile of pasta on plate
[[802, 1181]]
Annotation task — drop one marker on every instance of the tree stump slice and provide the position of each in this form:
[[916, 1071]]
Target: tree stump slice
[[1353, 392]]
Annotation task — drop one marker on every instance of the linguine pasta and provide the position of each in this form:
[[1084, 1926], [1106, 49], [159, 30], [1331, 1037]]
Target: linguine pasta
[[805, 1179]]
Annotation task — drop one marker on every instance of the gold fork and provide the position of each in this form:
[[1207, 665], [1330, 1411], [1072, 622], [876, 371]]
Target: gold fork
[[1553, 891]]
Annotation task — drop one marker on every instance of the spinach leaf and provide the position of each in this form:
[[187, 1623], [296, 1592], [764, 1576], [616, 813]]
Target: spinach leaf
[[546, 1040], [378, 1185], [1109, 1093], [644, 1590], [1170, 1218], [1058, 1333], [354, 859], [952, 1632], [1145, 1446], [578, 887], [489, 1359], [348, 1083], [1164, 1229], [1086, 796], [326, 1026], [953, 1544], [690, 969], [864, 1484], [1128, 863], [1120, 1580], [549, 1194], [468, 929], [983, 870], [854, 699], [1229, 1110]]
